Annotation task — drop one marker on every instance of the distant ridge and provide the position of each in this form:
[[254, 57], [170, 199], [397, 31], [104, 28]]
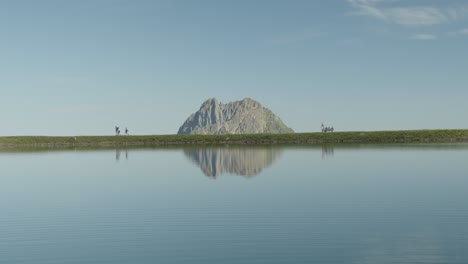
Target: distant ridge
[[240, 117]]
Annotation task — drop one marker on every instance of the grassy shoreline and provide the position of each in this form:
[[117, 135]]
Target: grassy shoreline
[[404, 136]]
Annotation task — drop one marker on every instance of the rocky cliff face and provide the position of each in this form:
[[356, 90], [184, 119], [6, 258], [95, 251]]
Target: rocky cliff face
[[240, 117]]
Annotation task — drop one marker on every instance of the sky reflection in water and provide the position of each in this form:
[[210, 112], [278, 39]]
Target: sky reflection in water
[[323, 204]]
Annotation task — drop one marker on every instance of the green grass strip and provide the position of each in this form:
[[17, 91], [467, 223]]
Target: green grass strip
[[408, 136]]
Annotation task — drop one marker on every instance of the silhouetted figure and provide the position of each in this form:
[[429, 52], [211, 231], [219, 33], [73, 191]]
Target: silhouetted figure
[[117, 129], [327, 129], [126, 131]]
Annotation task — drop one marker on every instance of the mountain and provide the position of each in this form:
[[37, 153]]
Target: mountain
[[240, 117]]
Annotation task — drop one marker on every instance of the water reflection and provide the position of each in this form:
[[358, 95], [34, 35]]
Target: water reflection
[[247, 162], [118, 153], [328, 151], [369, 204]]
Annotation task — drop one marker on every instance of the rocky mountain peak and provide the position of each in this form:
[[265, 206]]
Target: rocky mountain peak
[[212, 102], [246, 116]]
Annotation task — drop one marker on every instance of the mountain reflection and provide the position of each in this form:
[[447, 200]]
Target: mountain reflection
[[244, 161]]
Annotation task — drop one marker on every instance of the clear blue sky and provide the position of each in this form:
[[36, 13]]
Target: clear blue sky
[[82, 67]]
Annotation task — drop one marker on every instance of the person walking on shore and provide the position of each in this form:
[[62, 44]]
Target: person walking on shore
[[126, 131]]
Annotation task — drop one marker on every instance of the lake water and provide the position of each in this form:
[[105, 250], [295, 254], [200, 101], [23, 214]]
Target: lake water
[[325, 204]]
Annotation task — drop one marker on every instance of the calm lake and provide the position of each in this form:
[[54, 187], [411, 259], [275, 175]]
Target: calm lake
[[282, 204]]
